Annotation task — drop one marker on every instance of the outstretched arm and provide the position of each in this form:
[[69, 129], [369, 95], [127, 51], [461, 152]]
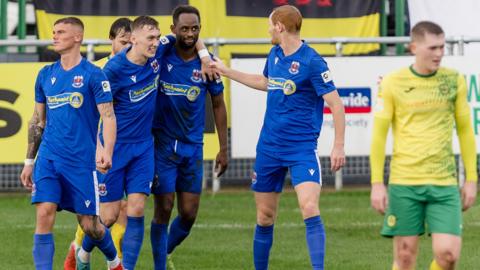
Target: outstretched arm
[[255, 81]]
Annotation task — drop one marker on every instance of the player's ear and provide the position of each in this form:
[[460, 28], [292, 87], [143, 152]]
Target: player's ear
[[172, 29], [413, 47]]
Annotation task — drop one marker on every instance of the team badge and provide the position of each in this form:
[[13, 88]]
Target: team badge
[[294, 67], [391, 220], [196, 76], [77, 81], [192, 93], [155, 65], [102, 189], [76, 100], [289, 87]]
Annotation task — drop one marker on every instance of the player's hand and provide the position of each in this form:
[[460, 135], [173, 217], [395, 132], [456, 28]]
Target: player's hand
[[221, 162], [337, 157], [207, 71], [469, 194], [218, 66], [379, 198], [104, 161], [26, 176]]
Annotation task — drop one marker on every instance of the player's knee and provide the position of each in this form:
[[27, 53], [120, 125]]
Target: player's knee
[[309, 209], [45, 214], [406, 258], [265, 218], [447, 256], [136, 208]]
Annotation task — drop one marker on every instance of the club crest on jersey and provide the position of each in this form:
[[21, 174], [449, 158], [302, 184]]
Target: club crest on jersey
[[102, 189], [294, 67], [155, 65], [77, 81], [196, 76]]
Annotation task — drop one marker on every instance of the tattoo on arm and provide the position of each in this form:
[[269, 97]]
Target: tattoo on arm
[[35, 131], [106, 110]]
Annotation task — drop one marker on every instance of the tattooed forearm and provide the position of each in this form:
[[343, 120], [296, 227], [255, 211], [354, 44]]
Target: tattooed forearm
[[35, 131], [106, 110]]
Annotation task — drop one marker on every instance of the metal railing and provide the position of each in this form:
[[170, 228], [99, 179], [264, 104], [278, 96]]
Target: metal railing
[[457, 42]]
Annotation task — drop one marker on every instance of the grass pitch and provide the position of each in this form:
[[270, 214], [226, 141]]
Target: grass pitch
[[222, 236]]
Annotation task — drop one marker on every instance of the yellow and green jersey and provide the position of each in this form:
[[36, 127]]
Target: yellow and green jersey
[[422, 110], [102, 62]]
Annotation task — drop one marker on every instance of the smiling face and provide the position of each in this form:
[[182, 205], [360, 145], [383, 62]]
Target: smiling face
[[66, 36], [146, 39], [187, 30], [428, 51]]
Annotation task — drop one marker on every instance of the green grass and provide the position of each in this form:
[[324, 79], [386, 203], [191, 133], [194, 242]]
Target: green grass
[[222, 236]]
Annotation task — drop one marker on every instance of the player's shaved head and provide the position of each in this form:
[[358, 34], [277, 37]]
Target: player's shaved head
[[289, 16], [71, 20], [425, 27], [143, 21]]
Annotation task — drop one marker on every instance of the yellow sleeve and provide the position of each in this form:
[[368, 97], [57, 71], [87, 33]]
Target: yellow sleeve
[[384, 110], [377, 148], [466, 136]]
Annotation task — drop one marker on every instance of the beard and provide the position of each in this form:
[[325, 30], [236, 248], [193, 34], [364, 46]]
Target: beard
[[187, 46]]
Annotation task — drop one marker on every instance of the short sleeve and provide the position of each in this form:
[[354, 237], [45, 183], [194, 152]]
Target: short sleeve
[[100, 87], [265, 69], [461, 102], [384, 105], [111, 77], [320, 76], [166, 43], [39, 93], [215, 87]]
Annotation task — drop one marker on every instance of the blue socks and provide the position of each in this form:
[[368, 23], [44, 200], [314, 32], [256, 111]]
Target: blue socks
[[178, 232], [105, 245], [262, 242], [315, 233], [132, 241], [43, 249], [158, 238]]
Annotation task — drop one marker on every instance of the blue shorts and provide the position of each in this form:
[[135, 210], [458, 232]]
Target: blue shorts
[[72, 188], [270, 170], [131, 172], [178, 167]]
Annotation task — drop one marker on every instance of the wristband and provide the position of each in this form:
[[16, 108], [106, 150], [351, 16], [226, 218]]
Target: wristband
[[29, 162], [203, 53]]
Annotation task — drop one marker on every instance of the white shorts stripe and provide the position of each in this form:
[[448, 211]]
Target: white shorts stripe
[[319, 167], [97, 196]]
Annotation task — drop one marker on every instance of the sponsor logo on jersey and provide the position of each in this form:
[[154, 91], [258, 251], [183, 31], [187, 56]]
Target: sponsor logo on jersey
[[133, 78], [155, 65], [74, 99], [191, 92], [53, 79], [355, 100], [77, 81], [106, 86], [311, 171], [196, 76], [287, 86], [169, 67], [276, 60], [137, 95], [294, 67], [102, 189], [87, 203]]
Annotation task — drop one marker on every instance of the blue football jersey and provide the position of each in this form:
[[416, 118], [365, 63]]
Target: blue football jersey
[[180, 110], [294, 115], [134, 90], [71, 99]]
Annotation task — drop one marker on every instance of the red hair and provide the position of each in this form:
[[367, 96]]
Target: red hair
[[289, 16]]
